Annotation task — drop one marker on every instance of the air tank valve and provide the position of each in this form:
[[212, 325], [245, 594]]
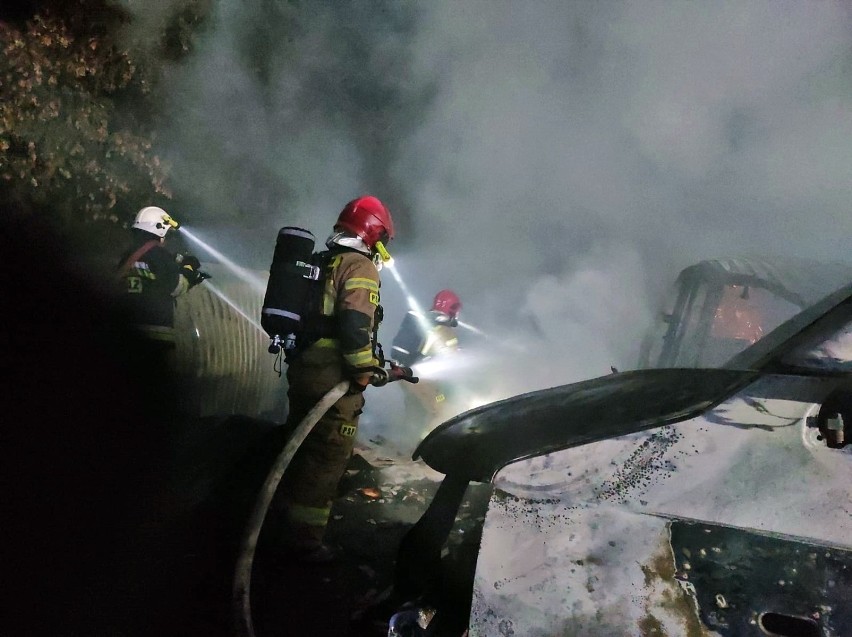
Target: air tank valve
[[288, 343]]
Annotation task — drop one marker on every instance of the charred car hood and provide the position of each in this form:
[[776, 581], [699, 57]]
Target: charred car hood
[[478, 443]]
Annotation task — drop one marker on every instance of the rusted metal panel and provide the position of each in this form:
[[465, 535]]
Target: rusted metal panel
[[595, 572], [596, 540], [745, 582]]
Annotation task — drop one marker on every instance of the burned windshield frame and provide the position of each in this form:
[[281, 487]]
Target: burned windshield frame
[[809, 328], [683, 333]]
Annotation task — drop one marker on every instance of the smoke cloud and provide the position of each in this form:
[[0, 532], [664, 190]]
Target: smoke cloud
[[555, 164]]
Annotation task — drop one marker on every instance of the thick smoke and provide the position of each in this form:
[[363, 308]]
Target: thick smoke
[[577, 155], [554, 163]]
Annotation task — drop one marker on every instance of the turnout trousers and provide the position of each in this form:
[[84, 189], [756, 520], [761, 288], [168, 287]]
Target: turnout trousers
[[309, 485]]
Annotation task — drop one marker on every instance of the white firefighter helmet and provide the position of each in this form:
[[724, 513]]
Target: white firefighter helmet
[[154, 220]]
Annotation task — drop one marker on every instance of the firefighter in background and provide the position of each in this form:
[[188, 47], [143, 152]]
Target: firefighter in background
[[419, 338], [338, 342], [151, 278]]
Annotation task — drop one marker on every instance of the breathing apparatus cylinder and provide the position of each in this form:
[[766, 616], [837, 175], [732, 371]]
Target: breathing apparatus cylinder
[[290, 277]]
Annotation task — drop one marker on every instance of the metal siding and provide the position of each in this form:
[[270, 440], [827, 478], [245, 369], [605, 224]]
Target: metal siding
[[222, 357]]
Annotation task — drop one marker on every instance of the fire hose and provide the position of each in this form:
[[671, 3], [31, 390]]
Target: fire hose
[[241, 590]]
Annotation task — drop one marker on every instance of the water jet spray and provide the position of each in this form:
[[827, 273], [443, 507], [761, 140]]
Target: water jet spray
[[473, 329], [242, 273], [413, 305], [236, 308]]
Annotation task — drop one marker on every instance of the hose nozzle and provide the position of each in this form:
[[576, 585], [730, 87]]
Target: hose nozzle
[[382, 376]]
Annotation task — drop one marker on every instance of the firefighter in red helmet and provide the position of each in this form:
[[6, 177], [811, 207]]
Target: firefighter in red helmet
[[338, 343], [420, 337], [447, 304], [425, 337]]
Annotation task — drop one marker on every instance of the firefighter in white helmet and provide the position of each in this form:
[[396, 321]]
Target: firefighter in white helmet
[[151, 277]]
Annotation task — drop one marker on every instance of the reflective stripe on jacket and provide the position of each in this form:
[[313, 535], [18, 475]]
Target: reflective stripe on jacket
[[351, 295], [149, 282], [440, 339]]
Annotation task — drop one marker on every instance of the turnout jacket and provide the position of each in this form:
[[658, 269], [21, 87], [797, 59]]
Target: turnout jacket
[[420, 337], [350, 303], [149, 284]]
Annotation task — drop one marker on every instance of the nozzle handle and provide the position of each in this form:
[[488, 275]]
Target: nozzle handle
[[404, 373], [382, 376]]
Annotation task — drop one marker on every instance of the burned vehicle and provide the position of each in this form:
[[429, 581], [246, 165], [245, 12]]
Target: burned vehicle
[[650, 502], [718, 307]]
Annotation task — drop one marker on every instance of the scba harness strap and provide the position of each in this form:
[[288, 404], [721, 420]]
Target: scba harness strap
[[133, 258], [315, 324]]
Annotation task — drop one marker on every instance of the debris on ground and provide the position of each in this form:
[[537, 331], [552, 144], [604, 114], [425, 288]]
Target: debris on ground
[[380, 497]]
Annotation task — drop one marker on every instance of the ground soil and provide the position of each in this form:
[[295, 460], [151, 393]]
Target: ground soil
[[322, 599], [380, 497]]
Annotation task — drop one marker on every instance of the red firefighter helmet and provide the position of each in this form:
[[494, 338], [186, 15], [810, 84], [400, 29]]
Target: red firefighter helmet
[[366, 217], [447, 302]]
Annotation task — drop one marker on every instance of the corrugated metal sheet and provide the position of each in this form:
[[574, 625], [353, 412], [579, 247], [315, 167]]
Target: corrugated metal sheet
[[222, 356]]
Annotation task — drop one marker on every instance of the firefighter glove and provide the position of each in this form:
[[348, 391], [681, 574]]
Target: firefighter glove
[[358, 384], [189, 261], [193, 276]]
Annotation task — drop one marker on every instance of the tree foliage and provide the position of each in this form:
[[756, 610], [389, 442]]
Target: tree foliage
[[62, 145], [77, 124]]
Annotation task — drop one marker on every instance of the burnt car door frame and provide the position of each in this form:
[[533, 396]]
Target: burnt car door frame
[[418, 572]]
